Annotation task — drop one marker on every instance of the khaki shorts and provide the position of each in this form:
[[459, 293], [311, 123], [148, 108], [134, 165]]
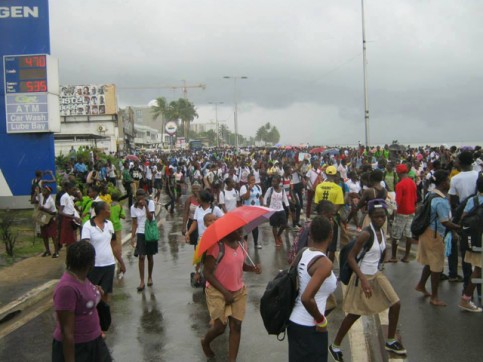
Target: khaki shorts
[[401, 228], [383, 295], [218, 308], [473, 258]]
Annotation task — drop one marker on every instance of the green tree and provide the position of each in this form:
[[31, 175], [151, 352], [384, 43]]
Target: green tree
[[181, 111]]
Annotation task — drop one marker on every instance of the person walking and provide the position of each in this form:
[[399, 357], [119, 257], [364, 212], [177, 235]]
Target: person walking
[[77, 335], [431, 244], [143, 209], [226, 293], [190, 206], [47, 204], [251, 195], [369, 291], [276, 199], [307, 329], [461, 187], [406, 199], [99, 231], [471, 257]]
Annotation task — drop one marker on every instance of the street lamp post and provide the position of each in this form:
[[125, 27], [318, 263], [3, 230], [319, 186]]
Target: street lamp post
[[217, 124], [235, 78], [366, 96]]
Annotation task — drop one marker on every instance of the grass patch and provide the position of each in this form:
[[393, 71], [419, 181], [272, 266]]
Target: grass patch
[[27, 243]]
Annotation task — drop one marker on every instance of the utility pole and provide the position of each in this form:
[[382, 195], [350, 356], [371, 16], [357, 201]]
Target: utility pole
[[235, 101], [366, 97], [217, 124]]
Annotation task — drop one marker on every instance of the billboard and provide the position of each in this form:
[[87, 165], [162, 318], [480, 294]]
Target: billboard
[[88, 100]]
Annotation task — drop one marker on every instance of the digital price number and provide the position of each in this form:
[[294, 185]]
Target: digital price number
[[26, 74]]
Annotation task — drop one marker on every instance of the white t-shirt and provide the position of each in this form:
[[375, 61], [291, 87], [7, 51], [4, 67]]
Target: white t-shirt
[[277, 199], [229, 199], [140, 215], [463, 184], [68, 204], [299, 312], [312, 176], [49, 203], [200, 214], [100, 240], [353, 186], [256, 173]]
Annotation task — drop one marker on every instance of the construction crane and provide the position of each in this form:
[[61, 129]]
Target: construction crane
[[184, 86]]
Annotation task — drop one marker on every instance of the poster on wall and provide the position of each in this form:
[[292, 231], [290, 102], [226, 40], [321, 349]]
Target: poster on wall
[[88, 100]]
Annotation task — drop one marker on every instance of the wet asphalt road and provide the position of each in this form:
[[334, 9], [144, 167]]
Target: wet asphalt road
[[166, 321]]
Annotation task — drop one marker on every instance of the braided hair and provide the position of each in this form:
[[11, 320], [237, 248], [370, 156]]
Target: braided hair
[[80, 256]]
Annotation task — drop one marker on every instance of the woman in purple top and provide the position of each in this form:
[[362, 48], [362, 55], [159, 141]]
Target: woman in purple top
[[77, 335]]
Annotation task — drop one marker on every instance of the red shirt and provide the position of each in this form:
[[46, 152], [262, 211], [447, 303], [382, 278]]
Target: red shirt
[[406, 196]]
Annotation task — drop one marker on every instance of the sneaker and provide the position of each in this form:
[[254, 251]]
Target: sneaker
[[395, 347], [469, 306], [456, 279], [336, 355], [258, 246]]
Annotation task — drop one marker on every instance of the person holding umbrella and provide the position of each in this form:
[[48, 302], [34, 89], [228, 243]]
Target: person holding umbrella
[[226, 294]]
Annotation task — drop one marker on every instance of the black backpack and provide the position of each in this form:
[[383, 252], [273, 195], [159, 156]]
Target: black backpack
[[422, 218], [345, 270], [278, 299], [472, 227]]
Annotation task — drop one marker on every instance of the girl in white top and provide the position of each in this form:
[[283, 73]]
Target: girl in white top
[[47, 204], [369, 291], [229, 196], [141, 211], [307, 329]]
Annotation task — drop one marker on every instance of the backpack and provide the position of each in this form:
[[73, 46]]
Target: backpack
[[270, 192], [422, 217], [301, 241], [345, 269], [278, 299], [472, 227], [202, 281]]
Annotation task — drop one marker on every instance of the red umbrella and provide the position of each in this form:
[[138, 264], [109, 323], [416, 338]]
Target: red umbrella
[[246, 217], [132, 158], [317, 150]]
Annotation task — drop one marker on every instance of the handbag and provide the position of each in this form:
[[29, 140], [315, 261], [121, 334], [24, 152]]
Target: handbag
[[104, 312], [41, 217], [151, 232]]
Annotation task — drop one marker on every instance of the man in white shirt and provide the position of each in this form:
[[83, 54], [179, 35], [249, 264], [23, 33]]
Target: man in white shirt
[[462, 185]]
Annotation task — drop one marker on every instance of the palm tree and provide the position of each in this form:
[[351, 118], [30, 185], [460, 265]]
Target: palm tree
[[186, 111]]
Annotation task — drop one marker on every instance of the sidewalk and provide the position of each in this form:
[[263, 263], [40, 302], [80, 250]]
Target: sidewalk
[[25, 275]]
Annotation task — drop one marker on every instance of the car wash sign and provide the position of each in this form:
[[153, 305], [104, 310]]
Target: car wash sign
[[27, 86]]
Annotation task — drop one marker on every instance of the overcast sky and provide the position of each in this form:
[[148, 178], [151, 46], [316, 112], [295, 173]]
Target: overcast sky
[[303, 61]]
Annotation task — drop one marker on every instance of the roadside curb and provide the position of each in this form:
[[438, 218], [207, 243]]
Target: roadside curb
[[12, 309], [28, 299]]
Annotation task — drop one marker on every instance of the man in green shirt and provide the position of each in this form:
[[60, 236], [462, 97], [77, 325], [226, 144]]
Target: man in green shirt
[[127, 182]]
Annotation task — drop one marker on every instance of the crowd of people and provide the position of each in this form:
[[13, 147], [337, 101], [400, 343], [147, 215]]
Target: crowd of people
[[370, 193]]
